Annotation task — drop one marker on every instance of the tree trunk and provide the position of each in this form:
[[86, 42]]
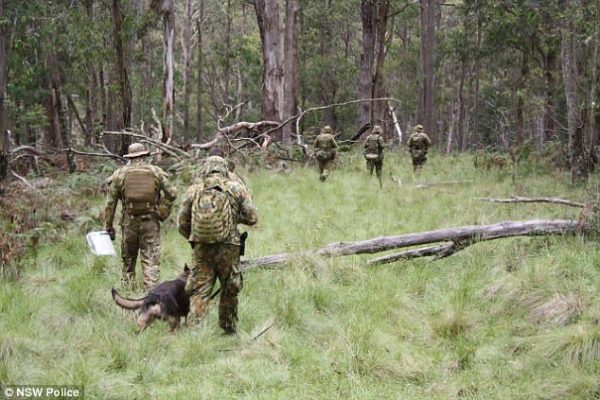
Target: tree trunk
[[269, 17], [125, 96], [427, 110], [367, 58], [327, 86], [59, 112], [592, 103], [90, 92], [476, 133], [520, 128], [570, 64], [166, 8], [379, 108], [550, 106], [4, 142], [199, 77], [227, 66], [290, 68], [187, 69], [460, 236], [460, 130]]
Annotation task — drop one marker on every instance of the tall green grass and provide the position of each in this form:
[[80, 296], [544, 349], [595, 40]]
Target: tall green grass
[[515, 318]]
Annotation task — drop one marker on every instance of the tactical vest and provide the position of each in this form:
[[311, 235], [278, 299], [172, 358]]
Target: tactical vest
[[140, 191]]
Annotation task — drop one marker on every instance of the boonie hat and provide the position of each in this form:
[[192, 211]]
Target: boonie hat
[[136, 150]]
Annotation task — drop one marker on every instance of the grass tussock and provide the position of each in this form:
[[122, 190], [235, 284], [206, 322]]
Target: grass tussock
[[508, 319]]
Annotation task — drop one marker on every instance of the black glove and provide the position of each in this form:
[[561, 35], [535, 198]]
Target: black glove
[[111, 233], [243, 238]]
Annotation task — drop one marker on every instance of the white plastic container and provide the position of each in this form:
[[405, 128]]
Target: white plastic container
[[100, 244]]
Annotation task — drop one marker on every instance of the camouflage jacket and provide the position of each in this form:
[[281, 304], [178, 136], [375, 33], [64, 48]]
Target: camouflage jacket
[[164, 198], [325, 141], [370, 147], [419, 141], [244, 210]]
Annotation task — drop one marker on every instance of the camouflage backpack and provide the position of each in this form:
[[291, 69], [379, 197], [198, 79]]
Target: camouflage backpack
[[212, 212], [139, 190], [372, 147]]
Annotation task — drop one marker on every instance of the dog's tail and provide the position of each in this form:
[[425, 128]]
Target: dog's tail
[[129, 304]]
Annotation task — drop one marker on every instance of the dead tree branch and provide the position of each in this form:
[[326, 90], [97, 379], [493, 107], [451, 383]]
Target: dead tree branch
[[460, 236], [83, 153], [518, 199], [163, 146]]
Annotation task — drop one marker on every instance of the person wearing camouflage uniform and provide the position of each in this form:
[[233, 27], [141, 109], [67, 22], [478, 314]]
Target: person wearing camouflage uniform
[[418, 145], [325, 149], [216, 260], [146, 196], [373, 152]]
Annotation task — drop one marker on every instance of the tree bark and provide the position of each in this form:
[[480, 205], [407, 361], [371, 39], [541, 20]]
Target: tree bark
[[327, 86], [570, 64], [463, 235], [166, 8], [379, 109], [200, 75], [367, 59], [187, 69], [427, 111], [125, 96], [290, 83], [270, 23], [90, 92], [3, 83]]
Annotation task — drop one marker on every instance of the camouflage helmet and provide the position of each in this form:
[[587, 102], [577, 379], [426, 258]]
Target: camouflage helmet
[[326, 129], [377, 129], [136, 150], [214, 164], [419, 128]]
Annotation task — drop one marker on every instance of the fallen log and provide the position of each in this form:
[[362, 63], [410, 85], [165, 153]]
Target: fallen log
[[518, 199], [460, 237]]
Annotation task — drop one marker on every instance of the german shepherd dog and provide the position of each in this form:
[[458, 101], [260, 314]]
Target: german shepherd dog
[[167, 301]]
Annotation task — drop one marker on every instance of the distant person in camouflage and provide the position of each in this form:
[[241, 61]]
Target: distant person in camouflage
[[215, 247], [146, 196], [325, 150], [418, 145], [373, 152]]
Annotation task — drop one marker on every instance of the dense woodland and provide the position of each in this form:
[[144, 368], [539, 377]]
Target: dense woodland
[[511, 75]]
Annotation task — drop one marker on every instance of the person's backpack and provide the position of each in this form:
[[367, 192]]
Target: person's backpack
[[212, 212], [139, 190], [372, 146]]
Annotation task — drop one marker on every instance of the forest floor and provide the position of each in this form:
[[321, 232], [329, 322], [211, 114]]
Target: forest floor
[[514, 318]]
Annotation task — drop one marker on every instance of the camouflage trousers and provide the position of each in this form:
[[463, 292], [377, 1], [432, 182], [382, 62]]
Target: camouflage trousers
[[377, 164], [324, 168], [419, 157], [209, 262], [141, 234]]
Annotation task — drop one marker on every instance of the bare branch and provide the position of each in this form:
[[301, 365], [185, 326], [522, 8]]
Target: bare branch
[[163, 146]]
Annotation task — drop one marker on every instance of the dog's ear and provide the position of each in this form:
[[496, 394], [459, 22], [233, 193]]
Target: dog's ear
[[186, 268]]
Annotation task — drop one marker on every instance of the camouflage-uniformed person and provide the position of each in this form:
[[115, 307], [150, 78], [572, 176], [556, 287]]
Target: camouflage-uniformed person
[[146, 196], [418, 144], [216, 260], [373, 151], [325, 148]]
